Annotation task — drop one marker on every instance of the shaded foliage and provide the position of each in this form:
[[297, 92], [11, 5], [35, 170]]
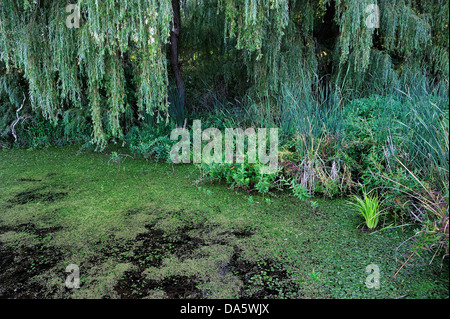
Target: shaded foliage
[[115, 65]]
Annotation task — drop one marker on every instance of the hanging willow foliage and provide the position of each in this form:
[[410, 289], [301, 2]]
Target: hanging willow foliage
[[279, 41], [405, 34], [61, 64]]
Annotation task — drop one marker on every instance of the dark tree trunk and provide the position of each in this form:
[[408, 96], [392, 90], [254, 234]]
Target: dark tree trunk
[[174, 37]]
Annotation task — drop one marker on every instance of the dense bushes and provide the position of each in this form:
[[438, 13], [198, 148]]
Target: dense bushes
[[395, 145], [150, 143], [36, 131]]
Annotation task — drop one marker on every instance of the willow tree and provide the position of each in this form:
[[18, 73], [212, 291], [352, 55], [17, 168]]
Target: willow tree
[[64, 66], [120, 58]]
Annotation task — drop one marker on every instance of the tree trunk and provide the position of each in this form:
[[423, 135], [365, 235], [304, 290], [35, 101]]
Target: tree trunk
[[174, 36]]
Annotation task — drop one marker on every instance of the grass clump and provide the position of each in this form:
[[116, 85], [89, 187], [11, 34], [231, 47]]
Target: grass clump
[[367, 207]]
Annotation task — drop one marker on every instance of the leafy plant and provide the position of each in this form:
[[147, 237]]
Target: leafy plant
[[150, 143], [299, 191], [367, 207], [263, 185], [314, 205], [314, 275]]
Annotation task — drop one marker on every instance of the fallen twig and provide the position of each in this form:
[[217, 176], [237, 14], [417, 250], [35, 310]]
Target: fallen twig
[[117, 158], [403, 265]]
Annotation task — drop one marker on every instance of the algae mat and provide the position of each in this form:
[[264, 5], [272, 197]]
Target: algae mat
[[150, 230]]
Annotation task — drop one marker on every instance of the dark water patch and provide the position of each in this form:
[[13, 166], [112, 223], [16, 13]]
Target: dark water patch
[[181, 287], [19, 265], [265, 279], [149, 248], [133, 211], [226, 236], [183, 244], [243, 233], [29, 180], [262, 279], [155, 245], [134, 286], [5, 228], [30, 228], [34, 196]]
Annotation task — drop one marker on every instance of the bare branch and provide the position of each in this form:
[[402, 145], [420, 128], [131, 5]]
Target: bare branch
[[13, 125]]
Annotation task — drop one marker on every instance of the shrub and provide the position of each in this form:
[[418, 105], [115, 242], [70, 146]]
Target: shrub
[[243, 175], [149, 143], [368, 124]]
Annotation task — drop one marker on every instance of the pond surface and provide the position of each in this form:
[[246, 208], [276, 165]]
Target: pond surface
[[150, 230]]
